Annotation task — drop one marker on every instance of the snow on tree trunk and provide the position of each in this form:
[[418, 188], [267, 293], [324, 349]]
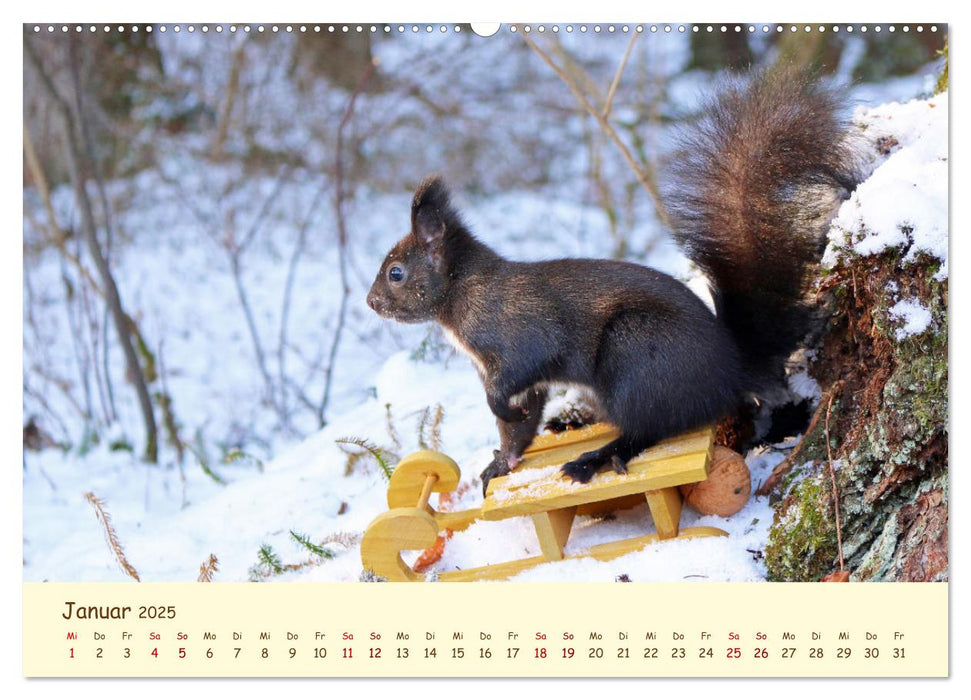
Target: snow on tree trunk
[[883, 358]]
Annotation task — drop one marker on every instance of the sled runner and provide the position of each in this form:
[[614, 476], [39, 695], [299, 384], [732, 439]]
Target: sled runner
[[537, 489]]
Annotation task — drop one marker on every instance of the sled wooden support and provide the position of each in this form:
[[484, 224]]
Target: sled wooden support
[[536, 488]]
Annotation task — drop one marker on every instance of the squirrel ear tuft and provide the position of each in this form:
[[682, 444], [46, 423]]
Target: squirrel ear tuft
[[431, 210]]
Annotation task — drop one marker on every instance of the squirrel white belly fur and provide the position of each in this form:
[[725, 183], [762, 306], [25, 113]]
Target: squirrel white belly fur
[[746, 205]]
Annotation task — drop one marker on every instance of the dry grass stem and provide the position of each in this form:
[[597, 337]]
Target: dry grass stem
[[110, 535]]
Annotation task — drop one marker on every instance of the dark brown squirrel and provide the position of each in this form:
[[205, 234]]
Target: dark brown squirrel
[[752, 189]]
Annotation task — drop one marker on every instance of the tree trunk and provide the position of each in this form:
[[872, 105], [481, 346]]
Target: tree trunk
[[121, 320]]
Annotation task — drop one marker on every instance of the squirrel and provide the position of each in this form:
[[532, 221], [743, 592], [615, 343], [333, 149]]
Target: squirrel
[[755, 183]]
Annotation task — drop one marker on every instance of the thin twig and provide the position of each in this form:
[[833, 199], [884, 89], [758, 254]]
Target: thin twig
[[643, 177], [832, 474], [620, 71], [104, 384], [295, 257], [783, 467], [77, 345], [265, 208], [57, 236], [226, 112], [122, 322], [339, 198]]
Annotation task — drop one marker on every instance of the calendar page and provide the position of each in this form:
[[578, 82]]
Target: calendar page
[[552, 350]]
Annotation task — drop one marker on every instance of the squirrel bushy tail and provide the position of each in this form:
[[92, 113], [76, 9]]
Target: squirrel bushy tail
[[758, 178]]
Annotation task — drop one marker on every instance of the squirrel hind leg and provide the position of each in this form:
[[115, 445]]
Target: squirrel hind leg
[[514, 438], [614, 455]]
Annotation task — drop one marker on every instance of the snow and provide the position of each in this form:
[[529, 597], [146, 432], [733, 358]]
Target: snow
[[904, 203], [303, 490], [915, 318], [170, 517]]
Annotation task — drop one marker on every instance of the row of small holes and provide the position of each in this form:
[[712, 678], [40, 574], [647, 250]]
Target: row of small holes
[[303, 28]]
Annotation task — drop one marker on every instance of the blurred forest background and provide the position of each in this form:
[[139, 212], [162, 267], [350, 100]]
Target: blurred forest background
[[204, 211]]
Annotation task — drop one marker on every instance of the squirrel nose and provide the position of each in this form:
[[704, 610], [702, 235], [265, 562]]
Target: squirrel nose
[[372, 302]]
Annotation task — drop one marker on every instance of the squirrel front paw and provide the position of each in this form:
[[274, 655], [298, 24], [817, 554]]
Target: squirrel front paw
[[499, 466]]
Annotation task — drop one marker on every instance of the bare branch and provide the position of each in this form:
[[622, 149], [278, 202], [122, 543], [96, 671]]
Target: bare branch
[[620, 71], [283, 343], [644, 177], [226, 113], [339, 198], [121, 319]]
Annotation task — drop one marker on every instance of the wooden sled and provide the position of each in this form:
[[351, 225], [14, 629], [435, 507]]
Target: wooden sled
[[537, 489]]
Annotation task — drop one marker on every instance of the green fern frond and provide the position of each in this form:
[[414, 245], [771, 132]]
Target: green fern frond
[[381, 456], [315, 549], [270, 560]]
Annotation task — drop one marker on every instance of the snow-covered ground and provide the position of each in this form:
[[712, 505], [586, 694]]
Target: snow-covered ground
[[170, 518]]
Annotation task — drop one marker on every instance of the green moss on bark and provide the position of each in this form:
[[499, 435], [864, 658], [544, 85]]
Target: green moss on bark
[[802, 542]]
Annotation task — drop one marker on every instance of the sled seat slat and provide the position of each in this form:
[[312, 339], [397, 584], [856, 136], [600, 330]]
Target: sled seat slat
[[536, 485]]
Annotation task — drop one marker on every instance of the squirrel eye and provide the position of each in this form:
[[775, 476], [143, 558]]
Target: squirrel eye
[[396, 274]]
